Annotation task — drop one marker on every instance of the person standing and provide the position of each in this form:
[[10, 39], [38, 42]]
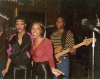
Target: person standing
[[42, 54], [2, 51], [69, 42], [18, 50]]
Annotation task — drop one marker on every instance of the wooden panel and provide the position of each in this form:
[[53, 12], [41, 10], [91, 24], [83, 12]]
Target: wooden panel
[[53, 8], [31, 9], [7, 4]]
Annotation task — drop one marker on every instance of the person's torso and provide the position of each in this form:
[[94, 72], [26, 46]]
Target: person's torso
[[56, 40], [20, 52], [39, 54]]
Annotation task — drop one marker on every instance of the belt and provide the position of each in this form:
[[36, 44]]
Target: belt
[[40, 63], [20, 67]]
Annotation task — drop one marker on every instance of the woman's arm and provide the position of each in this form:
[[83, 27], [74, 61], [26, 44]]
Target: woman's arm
[[49, 53], [49, 50], [7, 67]]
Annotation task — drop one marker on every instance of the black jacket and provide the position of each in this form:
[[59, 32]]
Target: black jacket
[[20, 53]]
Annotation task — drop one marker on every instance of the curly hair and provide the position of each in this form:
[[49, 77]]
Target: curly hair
[[41, 25]]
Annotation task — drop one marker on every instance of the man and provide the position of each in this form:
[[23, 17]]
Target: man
[[69, 42], [2, 50], [18, 50]]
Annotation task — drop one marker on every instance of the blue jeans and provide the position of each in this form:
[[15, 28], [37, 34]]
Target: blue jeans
[[64, 67]]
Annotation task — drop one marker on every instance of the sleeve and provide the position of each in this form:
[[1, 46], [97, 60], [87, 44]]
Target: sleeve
[[9, 45], [49, 52], [70, 39], [9, 50]]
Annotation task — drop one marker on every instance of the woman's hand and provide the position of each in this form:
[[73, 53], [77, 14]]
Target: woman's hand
[[7, 67], [56, 72], [4, 72]]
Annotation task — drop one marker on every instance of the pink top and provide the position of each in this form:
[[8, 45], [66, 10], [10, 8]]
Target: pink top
[[44, 52]]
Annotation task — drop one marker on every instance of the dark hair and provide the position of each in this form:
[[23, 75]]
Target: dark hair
[[21, 17], [41, 25], [67, 22], [61, 16]]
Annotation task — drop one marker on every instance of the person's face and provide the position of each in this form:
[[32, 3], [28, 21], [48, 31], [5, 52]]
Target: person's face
[[36, 30], [60, 23], [20, 25]]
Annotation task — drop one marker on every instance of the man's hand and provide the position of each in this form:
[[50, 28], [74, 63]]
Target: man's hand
[[72, 50]]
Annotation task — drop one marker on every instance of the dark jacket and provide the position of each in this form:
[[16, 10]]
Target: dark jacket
[[20, 53]]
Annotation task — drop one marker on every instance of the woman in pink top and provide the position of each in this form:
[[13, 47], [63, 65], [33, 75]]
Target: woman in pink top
[[42, 54]]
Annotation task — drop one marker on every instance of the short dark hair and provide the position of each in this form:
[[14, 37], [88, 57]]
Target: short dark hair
[[61, 16], [41, 25], [20, 17]]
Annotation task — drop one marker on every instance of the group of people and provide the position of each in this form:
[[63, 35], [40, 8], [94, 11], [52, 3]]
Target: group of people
[[32, 47]]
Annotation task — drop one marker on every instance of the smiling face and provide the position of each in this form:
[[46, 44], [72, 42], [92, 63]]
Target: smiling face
[[60, 23], [36, 30], [20, 25]]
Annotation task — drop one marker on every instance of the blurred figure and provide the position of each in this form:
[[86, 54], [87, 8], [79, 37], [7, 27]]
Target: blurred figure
[[2, 50]]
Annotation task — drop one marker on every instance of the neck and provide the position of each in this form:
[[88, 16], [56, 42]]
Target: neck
[[38, 39], [21, 33], [60, 30]]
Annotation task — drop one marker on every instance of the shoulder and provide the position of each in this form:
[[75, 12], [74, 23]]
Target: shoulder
[[47, 43], [30, 35], [69, 32], [54, 33], [12, 36], [47, 40]]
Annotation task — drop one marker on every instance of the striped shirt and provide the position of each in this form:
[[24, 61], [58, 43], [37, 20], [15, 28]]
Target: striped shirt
[[56, 39]]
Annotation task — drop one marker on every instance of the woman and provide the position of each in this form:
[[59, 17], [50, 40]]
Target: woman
[[18, 51], [42, 53]]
